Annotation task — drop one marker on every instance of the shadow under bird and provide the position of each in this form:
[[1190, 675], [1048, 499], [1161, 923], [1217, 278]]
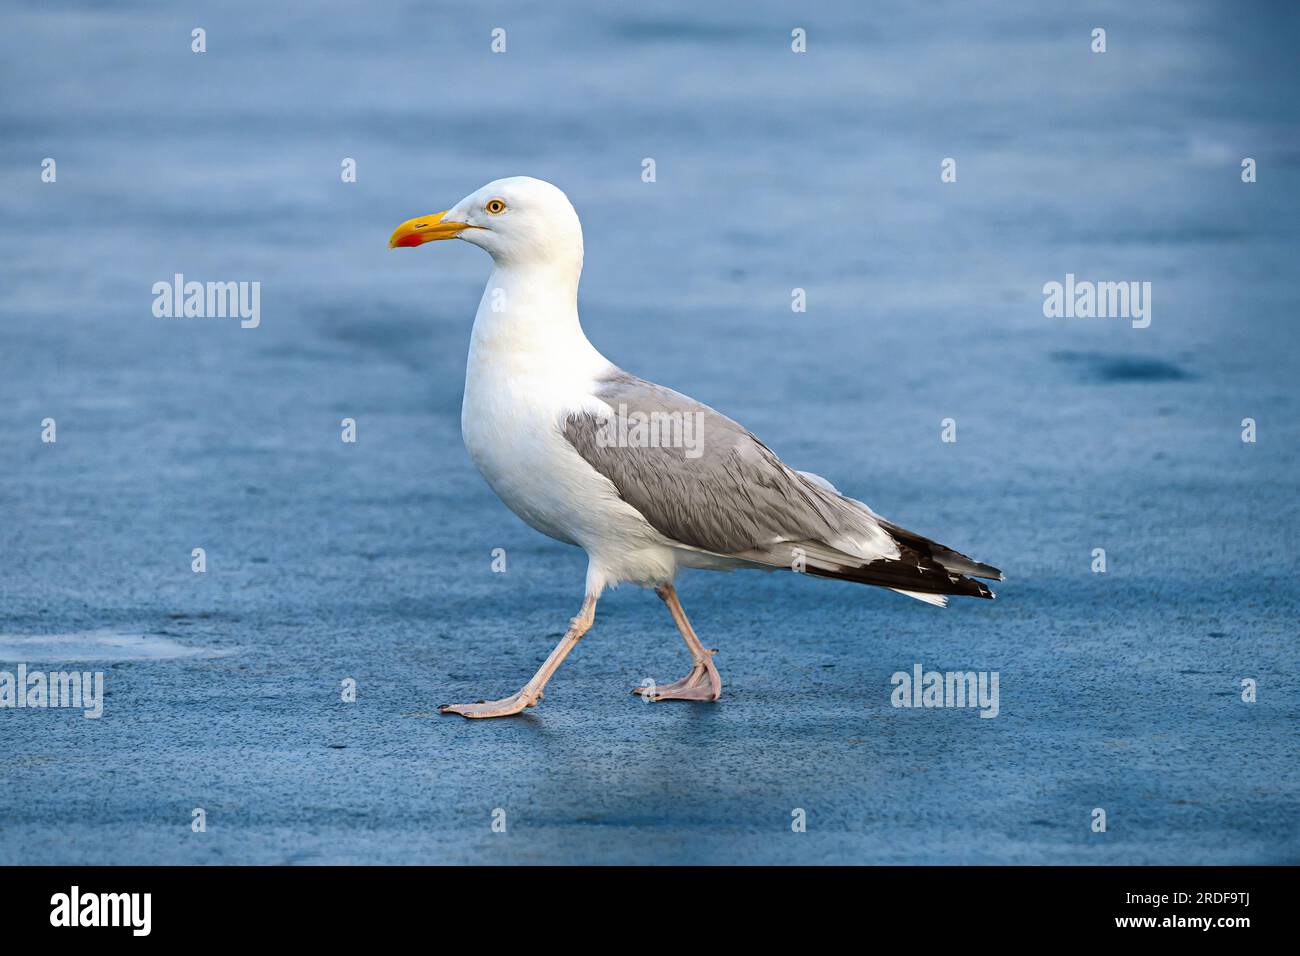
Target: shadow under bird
[[576, 447]]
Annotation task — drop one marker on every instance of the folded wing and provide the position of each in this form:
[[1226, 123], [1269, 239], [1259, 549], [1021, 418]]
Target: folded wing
[[706, 483]]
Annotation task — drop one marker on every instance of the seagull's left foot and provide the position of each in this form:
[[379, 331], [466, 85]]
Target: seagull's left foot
[[702, 683], [505, 707]]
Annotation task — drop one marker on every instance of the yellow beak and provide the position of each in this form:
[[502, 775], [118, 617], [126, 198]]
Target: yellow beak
[[415, 232]]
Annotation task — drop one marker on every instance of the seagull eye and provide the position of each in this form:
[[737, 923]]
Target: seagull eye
[[496, 206]]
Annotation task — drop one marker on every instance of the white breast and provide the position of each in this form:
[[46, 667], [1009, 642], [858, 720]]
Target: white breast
[[510, 422], [526, 372]]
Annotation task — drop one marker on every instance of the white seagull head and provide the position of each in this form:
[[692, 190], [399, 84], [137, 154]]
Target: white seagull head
[[518, 220]]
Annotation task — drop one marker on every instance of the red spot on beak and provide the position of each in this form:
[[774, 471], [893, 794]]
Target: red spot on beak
[[414, 239]]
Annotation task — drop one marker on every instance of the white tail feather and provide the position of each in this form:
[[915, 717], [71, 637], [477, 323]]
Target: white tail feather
[[938, 600]]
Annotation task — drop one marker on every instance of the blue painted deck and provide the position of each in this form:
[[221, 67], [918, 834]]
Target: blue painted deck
[[373, 561]]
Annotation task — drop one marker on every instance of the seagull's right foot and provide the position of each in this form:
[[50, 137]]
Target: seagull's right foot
[[702, 683], [505, 707]]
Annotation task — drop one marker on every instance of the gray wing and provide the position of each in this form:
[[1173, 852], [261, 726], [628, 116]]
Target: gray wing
[[701, 479]]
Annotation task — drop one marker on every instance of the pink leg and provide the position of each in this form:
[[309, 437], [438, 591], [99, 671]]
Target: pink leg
[[531, 693], [703, 682]]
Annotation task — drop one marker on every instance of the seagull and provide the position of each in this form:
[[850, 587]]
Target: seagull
[[644, 479]]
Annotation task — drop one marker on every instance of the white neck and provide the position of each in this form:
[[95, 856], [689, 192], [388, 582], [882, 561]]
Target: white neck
[[528, 321]]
